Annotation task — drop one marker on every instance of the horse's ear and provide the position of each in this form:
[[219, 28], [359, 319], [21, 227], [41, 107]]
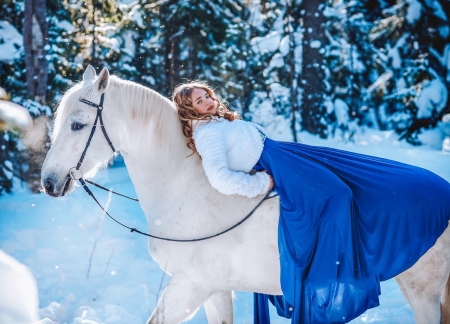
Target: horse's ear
[[102, 81], [89, 75]]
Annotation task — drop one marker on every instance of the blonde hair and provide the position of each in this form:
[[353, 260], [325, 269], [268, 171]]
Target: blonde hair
[[181, 97]]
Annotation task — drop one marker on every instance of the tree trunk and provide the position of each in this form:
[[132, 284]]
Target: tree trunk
[[35, 40], [313, 110], [292, 74], [35, 32]]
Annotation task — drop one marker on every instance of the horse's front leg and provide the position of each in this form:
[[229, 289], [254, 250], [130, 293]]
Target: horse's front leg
[[180, 301], [219, 308]]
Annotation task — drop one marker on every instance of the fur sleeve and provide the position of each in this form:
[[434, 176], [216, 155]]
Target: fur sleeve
[[211, 146]]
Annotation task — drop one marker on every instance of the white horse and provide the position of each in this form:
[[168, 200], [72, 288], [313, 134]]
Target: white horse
[[179, 203]]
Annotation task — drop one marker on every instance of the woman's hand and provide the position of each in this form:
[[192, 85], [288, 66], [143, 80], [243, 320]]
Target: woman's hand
[[271, 180]]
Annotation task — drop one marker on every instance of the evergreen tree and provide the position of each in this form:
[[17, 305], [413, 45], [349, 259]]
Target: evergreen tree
[[234, 82], [410, 35], [352, 66], [144, 21], [194, 33], [12, 71], [275, 67], [9, 156], [95, 30]]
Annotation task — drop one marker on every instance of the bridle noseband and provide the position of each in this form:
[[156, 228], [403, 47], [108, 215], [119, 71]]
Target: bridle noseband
[[76, 174]]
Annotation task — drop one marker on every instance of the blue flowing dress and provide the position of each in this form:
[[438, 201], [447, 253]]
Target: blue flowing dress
[[347, 221]]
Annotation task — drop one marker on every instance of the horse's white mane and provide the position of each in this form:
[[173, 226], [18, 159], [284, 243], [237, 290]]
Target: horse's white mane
[[145, 107]]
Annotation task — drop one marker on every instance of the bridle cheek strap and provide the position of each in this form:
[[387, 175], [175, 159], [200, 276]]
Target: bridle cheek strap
[[94, 127]]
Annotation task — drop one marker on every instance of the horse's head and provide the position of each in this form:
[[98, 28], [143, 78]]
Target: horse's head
[[71, 131]]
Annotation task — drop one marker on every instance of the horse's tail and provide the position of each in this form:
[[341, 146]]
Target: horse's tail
[[445, 305]]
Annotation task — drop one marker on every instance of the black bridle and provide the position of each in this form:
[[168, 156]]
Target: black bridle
[[79, 177]]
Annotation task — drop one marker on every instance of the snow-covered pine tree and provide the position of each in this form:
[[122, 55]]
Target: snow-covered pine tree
[[12, 64], [276, 52], [352, 66], [231, 63], [24, 164], [9, 156], [12, 78], [426, 60], [103, 35], [193, 37], [64, 68], [413, 92], [143, 23], [387, 60]]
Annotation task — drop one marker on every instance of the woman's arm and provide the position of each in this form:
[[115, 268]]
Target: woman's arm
[[211, 146]]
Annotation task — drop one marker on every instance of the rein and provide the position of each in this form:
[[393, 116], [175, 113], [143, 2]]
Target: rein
[[79, 177]]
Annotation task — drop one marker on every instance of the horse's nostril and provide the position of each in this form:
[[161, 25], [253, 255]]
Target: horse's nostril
[[48, 184]]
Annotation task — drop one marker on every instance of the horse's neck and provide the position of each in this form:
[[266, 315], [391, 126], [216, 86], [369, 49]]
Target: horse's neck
[[157, 167], [172, 188]]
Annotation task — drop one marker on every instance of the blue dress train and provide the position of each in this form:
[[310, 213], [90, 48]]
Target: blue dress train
[[347, 222]]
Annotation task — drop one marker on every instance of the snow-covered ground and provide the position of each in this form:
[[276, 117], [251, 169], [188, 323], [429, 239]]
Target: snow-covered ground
[[89, 270]]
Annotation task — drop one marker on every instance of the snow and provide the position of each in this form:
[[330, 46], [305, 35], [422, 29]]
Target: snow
[[263, 113], [11, 42], [446, 145], [14, 115], [414, 11], [149, 79], [341, 111], [255, 14], [284, 45], [444, 59], [19, 297], [33, 107], [433, 97], [128, 45], [269, 43], [66, 25], [136, 15], [315, 44], [90, 271], [444, 125], [393, 52], [276, 61], [278, 90]]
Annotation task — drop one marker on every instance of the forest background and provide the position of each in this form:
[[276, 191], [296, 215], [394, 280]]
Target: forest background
[[327, 67]]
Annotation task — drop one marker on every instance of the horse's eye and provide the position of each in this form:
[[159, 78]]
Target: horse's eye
[[77, 126]]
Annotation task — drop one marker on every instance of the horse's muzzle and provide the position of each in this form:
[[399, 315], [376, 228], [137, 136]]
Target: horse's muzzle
[[53, 189]]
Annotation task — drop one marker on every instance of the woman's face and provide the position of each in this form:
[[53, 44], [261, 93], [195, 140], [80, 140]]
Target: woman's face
[[202, 102]]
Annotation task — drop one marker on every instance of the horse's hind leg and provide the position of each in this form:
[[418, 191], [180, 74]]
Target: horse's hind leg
[[424, 302], [402, 289], [179, 302], [219, 308], [445, 306], [423, 283]]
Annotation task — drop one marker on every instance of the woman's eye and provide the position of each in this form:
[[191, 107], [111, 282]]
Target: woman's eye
[[76, 126], [199, 102]]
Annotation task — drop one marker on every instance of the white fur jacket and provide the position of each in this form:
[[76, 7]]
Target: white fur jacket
[[229, 151]]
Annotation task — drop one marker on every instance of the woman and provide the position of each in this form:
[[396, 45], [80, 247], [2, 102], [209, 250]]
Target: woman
[[347, 221]]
